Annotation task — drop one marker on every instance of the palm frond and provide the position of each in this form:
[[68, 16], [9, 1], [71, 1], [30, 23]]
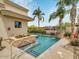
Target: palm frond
[[38, 13], [67, 11], [60, 12], [34, 18], [67, 2], [42, 13], [60, 3], [52, 16], [35, 12], [41, 18]]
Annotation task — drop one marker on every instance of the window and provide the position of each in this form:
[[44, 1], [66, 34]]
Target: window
[[18, 24]]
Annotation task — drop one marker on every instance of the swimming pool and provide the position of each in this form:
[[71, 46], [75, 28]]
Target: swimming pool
[[43, 43]]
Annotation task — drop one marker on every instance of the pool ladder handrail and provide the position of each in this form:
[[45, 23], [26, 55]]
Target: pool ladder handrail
[[21, 53]]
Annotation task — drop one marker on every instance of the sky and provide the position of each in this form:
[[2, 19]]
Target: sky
[[47, 7]]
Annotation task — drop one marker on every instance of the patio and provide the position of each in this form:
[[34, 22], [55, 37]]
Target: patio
[[56, 52]]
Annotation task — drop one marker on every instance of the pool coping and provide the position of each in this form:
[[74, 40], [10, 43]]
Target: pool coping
[[45, 50]]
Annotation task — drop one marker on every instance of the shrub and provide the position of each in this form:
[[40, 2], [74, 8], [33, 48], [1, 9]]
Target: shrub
[[75, 43], [36, 30], [20, 36], [67, 34]]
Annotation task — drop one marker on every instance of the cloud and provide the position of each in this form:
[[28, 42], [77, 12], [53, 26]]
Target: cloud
[[27, 1]]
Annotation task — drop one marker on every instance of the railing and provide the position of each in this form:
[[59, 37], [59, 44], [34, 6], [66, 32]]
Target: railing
[[17, 56], [20, 53]]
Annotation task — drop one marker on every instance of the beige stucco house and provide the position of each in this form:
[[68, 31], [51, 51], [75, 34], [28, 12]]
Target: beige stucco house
[[13, 19]]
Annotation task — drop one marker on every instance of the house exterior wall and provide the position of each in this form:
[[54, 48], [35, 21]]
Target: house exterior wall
[[3, 32], [9, 22], [15, 9], [1, 1]]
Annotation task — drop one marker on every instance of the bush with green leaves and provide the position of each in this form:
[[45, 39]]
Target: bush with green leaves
[[75, 43], [34, 29], [67, 34]]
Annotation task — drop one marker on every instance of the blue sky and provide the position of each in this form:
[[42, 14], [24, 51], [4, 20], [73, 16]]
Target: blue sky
[[47, 6]]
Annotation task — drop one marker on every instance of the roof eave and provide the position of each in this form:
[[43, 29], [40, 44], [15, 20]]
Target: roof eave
[[16, 15], [16, 5]]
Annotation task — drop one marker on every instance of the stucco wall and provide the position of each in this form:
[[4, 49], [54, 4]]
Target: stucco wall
[[9, 22], [1, 1], [14, 9], [3, 32]]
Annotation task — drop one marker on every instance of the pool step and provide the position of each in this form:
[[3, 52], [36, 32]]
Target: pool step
[[34, 53]]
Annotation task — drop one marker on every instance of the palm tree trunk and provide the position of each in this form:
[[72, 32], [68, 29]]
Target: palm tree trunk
[[38, 23], [73, 16], [78, 29], [72, 25], [60, 23]]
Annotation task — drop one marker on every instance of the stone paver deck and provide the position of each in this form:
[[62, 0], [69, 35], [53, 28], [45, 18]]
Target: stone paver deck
[[54, 52]]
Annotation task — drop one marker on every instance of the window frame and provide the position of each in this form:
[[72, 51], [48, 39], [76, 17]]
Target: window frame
[[19, 24]]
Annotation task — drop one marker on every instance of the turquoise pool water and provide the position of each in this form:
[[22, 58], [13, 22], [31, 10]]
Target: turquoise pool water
[[43, 43]]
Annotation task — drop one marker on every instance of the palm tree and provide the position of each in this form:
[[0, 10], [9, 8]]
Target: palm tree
[[72, 3], [60, 12], [38, 14], [78, 26]]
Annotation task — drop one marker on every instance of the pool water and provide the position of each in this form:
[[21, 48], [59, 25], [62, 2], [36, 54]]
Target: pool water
[[43, 43]]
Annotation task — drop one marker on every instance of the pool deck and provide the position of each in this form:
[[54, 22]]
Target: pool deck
[[54, 52]]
